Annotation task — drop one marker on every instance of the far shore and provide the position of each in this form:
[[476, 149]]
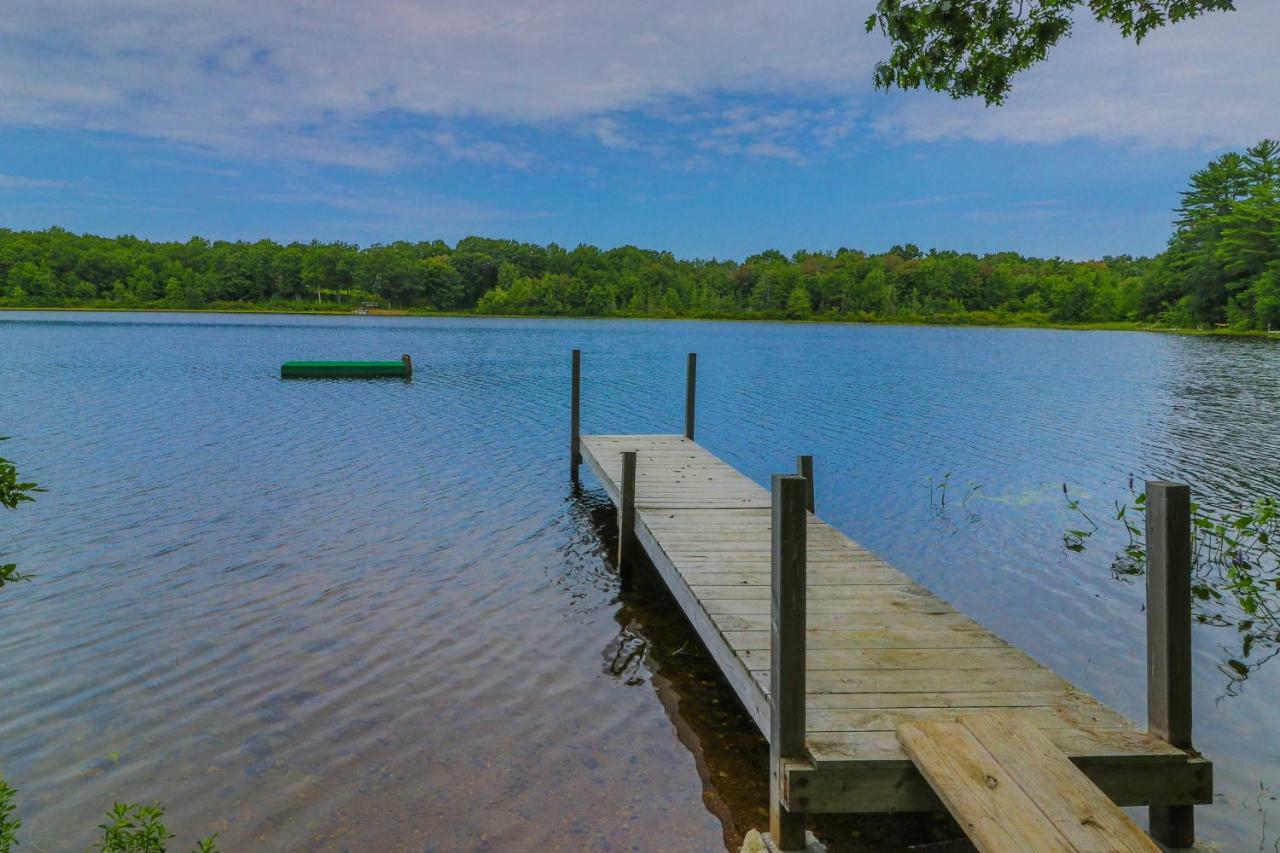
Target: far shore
[[951, 321]]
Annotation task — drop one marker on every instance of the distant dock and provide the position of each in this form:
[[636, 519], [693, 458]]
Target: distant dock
[[877, 696]]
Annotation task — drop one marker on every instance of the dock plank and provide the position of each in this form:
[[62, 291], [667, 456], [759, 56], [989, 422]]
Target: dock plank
[[1083, 746], [1011, 789], [992, 809], [1073, 804], [881, 649]]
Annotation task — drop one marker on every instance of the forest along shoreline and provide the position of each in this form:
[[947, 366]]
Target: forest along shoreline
[[961, 322], [1221, 270]]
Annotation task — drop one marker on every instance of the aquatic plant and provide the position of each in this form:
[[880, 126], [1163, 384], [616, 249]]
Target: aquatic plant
[[1235, 581], [13, 491], [9, 825], [9, 574], [938, 493], [132, 828], [135, 828]]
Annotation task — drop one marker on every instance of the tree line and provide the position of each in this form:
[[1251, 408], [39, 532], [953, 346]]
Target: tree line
[[1222, 266]]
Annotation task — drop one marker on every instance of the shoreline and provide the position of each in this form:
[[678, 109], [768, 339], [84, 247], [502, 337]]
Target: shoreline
[[947, 322]]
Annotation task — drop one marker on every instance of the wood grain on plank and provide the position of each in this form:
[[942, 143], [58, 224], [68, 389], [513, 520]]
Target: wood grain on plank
[[992, 809], [1066, 797]]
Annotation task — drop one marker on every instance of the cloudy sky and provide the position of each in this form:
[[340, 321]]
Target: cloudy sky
[[706, 127]]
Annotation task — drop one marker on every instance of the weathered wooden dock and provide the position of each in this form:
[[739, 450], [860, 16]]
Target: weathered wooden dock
[[842, 660]]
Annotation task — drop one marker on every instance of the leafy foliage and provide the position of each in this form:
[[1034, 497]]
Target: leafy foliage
[[9, 574], [1226, 248], [9, 825], [1235, 573], [973, 48], [506, 277], [131, 828], [13, 491], [134, 829]]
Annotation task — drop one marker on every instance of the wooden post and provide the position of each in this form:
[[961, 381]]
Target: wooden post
[[627, 520], [786, 673], [690, 394], [575, 451], [804, 467], [1169, 640]]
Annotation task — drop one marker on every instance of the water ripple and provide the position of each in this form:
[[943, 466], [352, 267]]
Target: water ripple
[[349, 615]]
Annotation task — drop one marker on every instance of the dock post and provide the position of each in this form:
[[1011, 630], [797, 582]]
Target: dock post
[[804, 467], [787, 653], [690, 394], [575, 451], [627, 520], [1169, 640]]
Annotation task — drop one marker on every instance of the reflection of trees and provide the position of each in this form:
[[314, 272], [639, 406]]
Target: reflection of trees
[[1217, 432], [1216, 428]]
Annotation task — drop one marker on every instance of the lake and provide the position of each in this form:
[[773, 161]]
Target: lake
[[373, 615]]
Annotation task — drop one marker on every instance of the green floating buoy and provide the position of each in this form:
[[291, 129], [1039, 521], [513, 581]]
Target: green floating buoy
[[347, 369]]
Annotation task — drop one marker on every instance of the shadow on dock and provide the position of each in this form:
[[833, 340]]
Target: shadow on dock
[[655, 644]]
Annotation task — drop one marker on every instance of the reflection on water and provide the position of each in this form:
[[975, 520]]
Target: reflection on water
[[343, 615], [656, 646]]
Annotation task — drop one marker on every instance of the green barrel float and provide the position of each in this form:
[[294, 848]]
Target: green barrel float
[[402, 369]]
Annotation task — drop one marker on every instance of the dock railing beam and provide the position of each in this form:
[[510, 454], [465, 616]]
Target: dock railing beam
[[1169, 640], [575, 403], [804, 467], [690, 394], [787, 653], [627, 520]]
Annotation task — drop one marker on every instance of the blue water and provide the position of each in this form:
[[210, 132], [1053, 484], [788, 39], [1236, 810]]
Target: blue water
[[371, 615]]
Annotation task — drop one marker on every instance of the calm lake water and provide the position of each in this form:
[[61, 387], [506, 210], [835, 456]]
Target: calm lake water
[[372, 615]]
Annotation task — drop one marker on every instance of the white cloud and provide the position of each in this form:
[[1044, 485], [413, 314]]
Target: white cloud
[[161, 163], [609, 133], [381, 84], [776, 151], [396, 206], [1012, 213], [453, 146], [309, 80], [1209, 83], [925, 201], [21, 182], [781, 133]]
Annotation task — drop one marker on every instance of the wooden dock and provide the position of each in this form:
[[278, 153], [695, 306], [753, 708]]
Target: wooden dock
[[836, 655]]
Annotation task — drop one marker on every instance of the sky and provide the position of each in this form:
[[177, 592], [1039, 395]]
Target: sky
[[708, 128]]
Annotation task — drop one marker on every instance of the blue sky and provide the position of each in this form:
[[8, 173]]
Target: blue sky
[[709, 129]]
